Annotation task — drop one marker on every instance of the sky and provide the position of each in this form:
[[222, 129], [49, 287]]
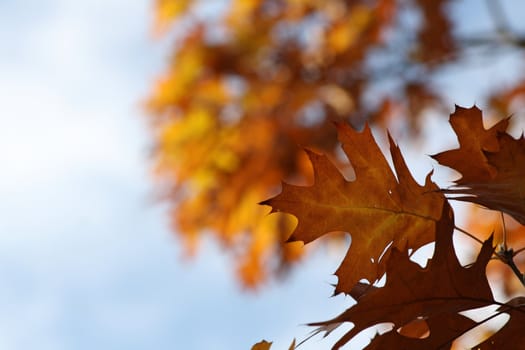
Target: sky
[[86, 257], [87, 260]]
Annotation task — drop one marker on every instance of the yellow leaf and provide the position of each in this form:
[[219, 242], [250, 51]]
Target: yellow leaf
[[345, 33], [167, 11], [241, 11]]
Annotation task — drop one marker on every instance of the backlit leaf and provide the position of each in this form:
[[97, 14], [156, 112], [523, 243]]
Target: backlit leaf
[[435, 294], [492, 164], [377, 209]]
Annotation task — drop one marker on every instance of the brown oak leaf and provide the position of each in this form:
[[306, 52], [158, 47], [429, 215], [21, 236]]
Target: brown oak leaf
[[469, 159], [443, 330], [435, 293], [492, 164], [379, 210], [510, 336]]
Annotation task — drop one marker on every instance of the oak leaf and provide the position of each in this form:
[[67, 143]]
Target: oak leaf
[[510, 336], [435, 294], [492, 164], [469, 159], [380, 211], [443, 330]]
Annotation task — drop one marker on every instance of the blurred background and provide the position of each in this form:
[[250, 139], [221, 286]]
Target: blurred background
[[137, 138]]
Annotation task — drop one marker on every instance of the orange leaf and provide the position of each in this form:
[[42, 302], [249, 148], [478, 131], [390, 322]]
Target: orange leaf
[[491, 161], [262, 345], [469, 159], [167, 11], [376, 208]]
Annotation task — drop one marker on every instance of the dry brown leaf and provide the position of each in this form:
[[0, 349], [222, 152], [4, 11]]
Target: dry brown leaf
[[376, 209], [435, 294], [492, 164], [510, 336]]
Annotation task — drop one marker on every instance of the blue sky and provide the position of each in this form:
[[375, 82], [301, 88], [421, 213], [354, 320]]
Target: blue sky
[[86, 257]]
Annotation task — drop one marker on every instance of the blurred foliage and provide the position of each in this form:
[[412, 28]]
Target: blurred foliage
[[252, 82]]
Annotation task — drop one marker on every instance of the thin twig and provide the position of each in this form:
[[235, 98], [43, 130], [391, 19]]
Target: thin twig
[[469, 234], [519, 251], [507, 257], [504, 231], [507, 254]]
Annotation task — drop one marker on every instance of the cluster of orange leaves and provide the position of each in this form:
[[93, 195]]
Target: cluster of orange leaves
[[389, 216], [244, 93]]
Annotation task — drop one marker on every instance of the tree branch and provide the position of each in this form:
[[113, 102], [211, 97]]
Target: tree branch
[[507, 257]]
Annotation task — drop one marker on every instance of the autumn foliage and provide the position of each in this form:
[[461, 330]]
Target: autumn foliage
[[252, 82], [389, 216], [383, 209]]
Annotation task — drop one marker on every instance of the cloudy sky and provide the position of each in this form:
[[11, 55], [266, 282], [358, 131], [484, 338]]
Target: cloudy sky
[[86, 258]]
